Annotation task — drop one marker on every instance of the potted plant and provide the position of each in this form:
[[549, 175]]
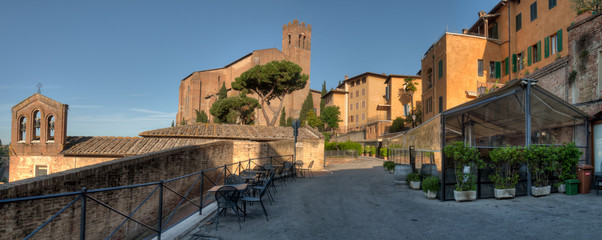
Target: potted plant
[[383, 152], [372, 151], [506, 162], [465, 160], [362, 151], [542, 163], [389, 166], [568, 156], [430, 186], [414, 180]]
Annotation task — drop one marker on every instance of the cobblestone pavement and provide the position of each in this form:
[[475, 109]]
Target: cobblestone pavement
[[360, 201]]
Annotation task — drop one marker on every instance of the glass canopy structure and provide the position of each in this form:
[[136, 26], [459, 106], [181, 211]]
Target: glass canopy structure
[[518, 114]]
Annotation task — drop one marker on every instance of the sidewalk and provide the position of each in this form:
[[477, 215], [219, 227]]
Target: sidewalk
[[360, 201]]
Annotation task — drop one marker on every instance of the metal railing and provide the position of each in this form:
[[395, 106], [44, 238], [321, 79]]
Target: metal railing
[[487, 87], [207, 178], [422, 161]]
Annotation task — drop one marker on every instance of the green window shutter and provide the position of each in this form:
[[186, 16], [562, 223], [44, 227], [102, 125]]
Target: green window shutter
[[559, 40], [507, 63], [498, 70], [513, 62], [547, 46], [440, 69], [539, 51], [529, 56]]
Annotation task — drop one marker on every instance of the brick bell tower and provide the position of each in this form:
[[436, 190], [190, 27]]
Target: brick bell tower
[[296, 46]]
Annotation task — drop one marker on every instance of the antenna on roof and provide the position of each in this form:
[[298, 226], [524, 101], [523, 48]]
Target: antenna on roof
[[39, 86]]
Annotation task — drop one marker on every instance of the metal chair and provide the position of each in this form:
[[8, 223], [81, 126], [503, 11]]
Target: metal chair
[[308, 170], [298, 166], [227, 197], [234, 179], [253, 199]]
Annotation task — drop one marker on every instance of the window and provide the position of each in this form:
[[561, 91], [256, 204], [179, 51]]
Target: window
[[357, 105], [357, 82], [289, 39], [493, 30], [303, 41], [50, 128], [299, 41], [551, 4], [363, 80], [41, 170], [440, 69], [363, 116], [364, 92], [22, 128], [351, 95], [429, 105], [440, 104], [351, 119], [535, 53], [553, 44], [36, 125], [357, 93], [352, 84], [429, 79], [519, 22], [351, 106], [492, 69], [506, 66], [520, 60], [363, 104], [357, 118], [533, 11], [480, 67]]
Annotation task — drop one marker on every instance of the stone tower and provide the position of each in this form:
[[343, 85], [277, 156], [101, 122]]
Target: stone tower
[[296, 46]]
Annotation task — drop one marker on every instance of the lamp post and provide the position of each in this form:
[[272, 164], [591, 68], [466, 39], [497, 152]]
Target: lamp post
[[413, 120]]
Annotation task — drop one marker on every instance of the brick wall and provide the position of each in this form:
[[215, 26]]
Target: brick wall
[[307, 150], [18, 219]]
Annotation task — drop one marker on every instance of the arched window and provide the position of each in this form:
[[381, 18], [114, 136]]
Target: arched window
[[37, 122], [50, 128], [299, 40], [22, 128], [303, 41], [289, 39]]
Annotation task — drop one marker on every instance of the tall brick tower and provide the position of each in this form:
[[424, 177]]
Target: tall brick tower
[[296, 46]]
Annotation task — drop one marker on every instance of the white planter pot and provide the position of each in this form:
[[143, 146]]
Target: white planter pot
[[540, 191], [430, 194], [504, 193], [414, 185], [392, 171], [562, 188], [461, 196]]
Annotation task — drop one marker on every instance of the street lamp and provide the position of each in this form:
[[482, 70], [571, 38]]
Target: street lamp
[[413, 120]]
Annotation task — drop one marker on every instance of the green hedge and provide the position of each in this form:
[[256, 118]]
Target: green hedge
[[349, 145]]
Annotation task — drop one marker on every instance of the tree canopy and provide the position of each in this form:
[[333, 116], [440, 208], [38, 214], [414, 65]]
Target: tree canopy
[[306, 108], [314, 121], [397, 125], [223, 92], [272, 81], [331, 115], [322, 102], [239, 109], [201, 116], [283, 118]]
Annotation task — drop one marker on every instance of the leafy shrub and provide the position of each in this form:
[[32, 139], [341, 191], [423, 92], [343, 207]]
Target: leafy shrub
[[542, 163], [389, 165], [462, 155], [506, 162], [413, 177], [431, 183], [372, 150], [383, 152], [568, 157], [330, 146]]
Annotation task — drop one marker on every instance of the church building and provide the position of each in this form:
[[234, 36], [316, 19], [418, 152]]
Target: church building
[[199, 90]]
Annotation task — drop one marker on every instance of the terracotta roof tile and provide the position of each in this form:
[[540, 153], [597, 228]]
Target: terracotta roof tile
[[229, 131], [122, 146]]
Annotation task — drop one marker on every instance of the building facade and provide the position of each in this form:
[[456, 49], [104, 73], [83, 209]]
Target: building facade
[[369, 102], [511, 41], [199, 90]]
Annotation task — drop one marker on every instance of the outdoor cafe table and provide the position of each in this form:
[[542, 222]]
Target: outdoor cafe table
[[239, 187]]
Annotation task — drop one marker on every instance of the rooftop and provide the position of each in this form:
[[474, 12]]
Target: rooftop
[[232, 132]]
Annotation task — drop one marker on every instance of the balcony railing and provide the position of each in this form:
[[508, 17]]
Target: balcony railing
[[487, 87]]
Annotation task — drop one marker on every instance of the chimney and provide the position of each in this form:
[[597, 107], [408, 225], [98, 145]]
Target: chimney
[[346, 77]]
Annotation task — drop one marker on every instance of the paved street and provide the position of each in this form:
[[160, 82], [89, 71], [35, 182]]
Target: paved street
[[360, 201]]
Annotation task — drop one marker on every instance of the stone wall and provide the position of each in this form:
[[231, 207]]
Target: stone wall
[[427, 137], [355, 136], [19, 219], [307, 150], [585, 46]]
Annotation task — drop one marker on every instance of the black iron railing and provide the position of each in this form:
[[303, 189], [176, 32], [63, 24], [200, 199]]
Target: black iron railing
[[207, 178]]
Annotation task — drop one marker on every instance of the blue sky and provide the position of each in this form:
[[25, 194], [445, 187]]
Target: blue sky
[[118, 64]]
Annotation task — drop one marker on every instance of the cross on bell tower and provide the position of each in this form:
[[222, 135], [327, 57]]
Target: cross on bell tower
[[39, 86]]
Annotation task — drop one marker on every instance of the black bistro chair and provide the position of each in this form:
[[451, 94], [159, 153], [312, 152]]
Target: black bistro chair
[[227, 198], [253, 199]]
